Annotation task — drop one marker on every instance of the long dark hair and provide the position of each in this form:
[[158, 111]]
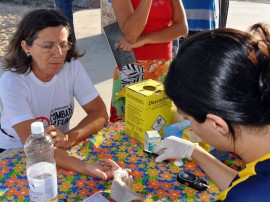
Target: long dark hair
[[225, 72], [32, 23]]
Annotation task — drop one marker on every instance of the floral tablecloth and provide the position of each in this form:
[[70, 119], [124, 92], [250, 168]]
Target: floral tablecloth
[[153, 182]]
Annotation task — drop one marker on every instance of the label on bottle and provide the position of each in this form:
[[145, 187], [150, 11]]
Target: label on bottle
[[42, 179]]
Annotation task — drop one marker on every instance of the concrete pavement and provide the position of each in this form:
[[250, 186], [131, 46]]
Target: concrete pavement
[[244, 13], [98, 59]]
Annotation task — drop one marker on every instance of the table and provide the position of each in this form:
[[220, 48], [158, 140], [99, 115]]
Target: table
[[153, 182]]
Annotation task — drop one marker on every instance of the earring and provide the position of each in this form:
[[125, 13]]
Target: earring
[[28, 54]]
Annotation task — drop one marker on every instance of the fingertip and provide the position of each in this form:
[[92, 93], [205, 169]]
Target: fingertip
[[105, 160], [130, 181], [157, 149], [49, 129], [111, 162], [158, 160], [103, 176], [130, 177], [116, 45], [128, 171]]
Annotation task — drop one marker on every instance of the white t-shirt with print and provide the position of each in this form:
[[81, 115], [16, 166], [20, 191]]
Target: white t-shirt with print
[[25, 97]]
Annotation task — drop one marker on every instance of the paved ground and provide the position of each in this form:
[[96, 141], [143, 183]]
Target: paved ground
[[99, 61]]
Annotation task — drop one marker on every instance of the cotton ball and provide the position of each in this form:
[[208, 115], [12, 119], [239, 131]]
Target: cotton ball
[[120, 173]]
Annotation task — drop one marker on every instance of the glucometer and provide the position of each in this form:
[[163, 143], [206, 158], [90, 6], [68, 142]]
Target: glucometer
[[192, 181]]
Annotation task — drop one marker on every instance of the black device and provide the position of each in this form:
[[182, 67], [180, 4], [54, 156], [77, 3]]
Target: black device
[[114, 35], [154, 155], [192, 181]]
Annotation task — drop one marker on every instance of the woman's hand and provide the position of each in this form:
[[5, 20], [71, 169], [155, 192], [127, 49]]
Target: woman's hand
[[124, 45], [122, 187], [174, 148], [129, 47], [104, 169], [59, 139]]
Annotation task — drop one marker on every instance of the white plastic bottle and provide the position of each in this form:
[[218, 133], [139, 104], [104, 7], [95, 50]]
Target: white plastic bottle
[[40, 165]]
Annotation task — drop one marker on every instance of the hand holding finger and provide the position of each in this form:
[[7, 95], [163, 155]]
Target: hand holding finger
[[161, 157], [119, 44], [49, 129], [159, 148], [123, 44], [61, 142], [174, 148], [122, 190], [105, 169], [59, 139], [129, 181]]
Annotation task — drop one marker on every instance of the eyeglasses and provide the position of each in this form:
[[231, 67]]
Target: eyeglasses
[[50, 47]]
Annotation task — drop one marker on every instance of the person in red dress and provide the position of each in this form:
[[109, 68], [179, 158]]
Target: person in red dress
[[148, 27]]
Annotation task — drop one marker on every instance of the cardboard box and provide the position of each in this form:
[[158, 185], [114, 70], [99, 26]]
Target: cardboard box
[[176, 129], [147, 108], [183, 130], [152, 139]]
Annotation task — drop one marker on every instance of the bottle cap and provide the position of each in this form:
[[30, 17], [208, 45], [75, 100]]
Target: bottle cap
[[37, 128]]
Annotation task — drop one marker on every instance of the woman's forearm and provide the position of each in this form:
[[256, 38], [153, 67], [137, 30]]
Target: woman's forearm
[[220, 173], [88, 126], [132, 23], [94, 121], [165, 35], [64, 160]]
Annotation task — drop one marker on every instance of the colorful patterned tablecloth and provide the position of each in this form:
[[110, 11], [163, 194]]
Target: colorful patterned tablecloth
[[153, 182]]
